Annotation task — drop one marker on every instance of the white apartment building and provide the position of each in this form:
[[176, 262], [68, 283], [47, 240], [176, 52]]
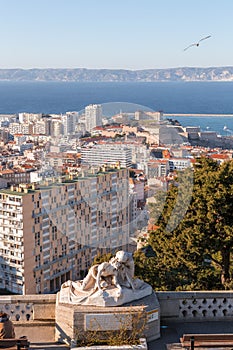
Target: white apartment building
[[140, 155], [29, 117], [15, 128], [23, 128], [39, 127], [107, 154], [56, 128], [179, 163], [93, 116], [68, 122]]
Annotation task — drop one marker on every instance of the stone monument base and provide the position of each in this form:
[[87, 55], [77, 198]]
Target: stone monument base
[[75, 320]]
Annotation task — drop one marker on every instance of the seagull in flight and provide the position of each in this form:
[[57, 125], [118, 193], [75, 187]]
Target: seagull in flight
[[198, 43]]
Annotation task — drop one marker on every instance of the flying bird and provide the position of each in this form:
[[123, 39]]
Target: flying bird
[[198, 43]]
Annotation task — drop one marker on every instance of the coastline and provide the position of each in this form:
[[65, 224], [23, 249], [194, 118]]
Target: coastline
[[196, 115]]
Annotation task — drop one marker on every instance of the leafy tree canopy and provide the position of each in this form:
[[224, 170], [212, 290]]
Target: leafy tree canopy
[[193, 244]]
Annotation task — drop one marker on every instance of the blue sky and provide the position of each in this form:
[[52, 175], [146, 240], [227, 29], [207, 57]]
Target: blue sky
[[121, 34]]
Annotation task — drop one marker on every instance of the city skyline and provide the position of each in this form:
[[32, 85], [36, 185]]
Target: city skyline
[[113, 35]]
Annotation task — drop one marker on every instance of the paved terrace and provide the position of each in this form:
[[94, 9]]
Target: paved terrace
[[171, 332], [180, 312]]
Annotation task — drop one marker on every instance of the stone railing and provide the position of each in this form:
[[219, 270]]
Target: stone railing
[[199, 306], [29, 307], [34, 315]]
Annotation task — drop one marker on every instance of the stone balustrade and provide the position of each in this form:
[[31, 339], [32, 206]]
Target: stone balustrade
[[200, 306], [29, 307], [34, 315]]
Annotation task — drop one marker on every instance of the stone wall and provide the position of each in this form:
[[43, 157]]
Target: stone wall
[[34, 315]]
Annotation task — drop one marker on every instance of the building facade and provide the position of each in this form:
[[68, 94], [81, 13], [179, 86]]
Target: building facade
[[107, 154], [50, 234], [68, 123], [93, 116]]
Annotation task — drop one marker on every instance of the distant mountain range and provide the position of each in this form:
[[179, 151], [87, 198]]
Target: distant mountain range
[[119, 75]]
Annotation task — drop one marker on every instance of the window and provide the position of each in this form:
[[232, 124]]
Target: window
[[37, 220], [37, 238]]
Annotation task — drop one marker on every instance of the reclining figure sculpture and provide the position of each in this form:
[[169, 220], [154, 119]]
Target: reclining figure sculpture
[[119, 271], [109, 283]]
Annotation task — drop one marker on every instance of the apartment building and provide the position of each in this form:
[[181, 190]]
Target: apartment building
[[24, 128], [107, 154], [68, 123], [93, 116], [15, 176], [29, 117], [50, 233], [39, 127], [179, 163], [158, 168], [56, 128]]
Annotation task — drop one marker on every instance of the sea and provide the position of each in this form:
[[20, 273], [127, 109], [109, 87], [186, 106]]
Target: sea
[[178, 98]]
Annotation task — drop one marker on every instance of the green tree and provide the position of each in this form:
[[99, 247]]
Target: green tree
[[193, 250], [100, 258]]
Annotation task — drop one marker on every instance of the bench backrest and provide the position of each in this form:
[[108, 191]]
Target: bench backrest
[[207, 337], [21, 343]]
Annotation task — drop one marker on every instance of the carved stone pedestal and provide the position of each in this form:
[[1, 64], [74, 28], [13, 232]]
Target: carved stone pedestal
[[73, 320]]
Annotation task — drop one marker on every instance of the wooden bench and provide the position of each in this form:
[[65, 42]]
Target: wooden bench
[[14, 344], [206, 340]]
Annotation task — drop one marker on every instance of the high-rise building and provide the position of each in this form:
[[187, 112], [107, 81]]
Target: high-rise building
[[69, 122], [93, 116], [51, 233], [48, 125], [56, 129]]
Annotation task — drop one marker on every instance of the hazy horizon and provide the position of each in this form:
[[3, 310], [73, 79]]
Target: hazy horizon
[[107, 34], [116, 68]]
